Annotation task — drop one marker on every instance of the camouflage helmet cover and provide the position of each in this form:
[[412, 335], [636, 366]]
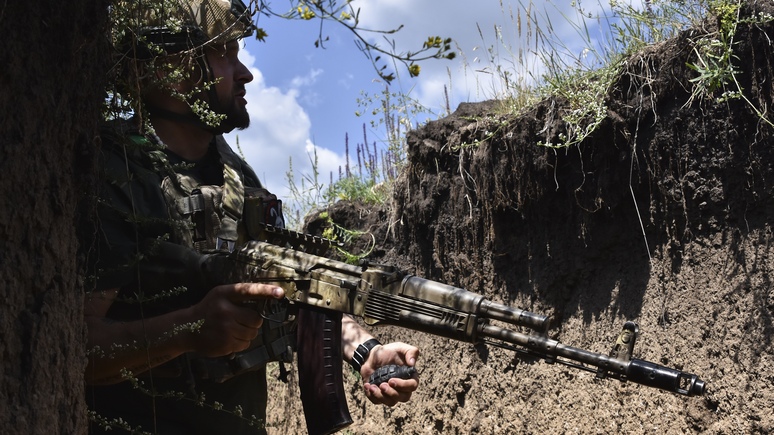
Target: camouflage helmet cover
[[189, 24]]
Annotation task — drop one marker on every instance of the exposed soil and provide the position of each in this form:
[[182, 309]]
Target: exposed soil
[[662, 217]]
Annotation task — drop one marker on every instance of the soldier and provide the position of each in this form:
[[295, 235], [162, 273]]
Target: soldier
[[165, 358]]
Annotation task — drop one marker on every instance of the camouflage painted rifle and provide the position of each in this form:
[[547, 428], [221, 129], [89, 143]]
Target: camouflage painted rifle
[[384, 295]]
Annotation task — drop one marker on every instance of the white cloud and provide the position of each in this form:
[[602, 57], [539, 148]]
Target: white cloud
[[455, 19], [308, 80], [346, 81], [279, 131], [480, 31]]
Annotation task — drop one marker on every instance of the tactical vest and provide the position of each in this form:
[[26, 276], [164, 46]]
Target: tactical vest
[[219, 218]]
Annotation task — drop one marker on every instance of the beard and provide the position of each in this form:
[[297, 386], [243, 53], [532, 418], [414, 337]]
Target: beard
[[236, 115]]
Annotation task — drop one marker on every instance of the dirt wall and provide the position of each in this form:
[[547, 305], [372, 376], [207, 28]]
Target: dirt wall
[[662, 217]]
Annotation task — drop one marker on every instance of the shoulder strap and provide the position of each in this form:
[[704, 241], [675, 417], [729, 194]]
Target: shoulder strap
[[233, 196]]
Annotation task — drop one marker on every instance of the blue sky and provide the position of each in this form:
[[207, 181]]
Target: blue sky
[[305, 97]]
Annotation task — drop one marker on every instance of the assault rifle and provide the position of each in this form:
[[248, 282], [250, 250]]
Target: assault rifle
[[383, 295]]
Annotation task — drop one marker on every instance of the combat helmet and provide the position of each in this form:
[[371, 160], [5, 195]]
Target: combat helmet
[[172, 27], [180, 25]]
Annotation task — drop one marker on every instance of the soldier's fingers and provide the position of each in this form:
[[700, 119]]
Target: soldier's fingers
[[403, 385], [386, 395], [247, 316], [246, 291]]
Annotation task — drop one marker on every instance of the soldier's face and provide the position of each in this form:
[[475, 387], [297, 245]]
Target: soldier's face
[[231, 76]]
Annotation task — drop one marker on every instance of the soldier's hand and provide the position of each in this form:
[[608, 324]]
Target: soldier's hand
[[395, 390], [228, 324]]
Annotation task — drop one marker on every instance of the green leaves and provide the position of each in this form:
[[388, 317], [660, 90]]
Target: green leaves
[[260, 34], [715, 53], [344, 13]]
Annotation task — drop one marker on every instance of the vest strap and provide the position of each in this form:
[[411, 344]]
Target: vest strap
[[190, 204], [233, 199]]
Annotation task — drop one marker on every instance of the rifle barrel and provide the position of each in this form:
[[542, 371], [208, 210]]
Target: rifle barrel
[[635, 370]]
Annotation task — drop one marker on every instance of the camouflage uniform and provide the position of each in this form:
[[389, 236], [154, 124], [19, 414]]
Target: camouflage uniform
[[134, 171]]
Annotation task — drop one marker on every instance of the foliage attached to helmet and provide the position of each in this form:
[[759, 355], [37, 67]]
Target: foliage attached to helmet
[[173, 26], [147, 32]]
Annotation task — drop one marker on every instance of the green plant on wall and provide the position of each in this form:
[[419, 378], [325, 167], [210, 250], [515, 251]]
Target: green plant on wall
[[345, 237], [714, 64]]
